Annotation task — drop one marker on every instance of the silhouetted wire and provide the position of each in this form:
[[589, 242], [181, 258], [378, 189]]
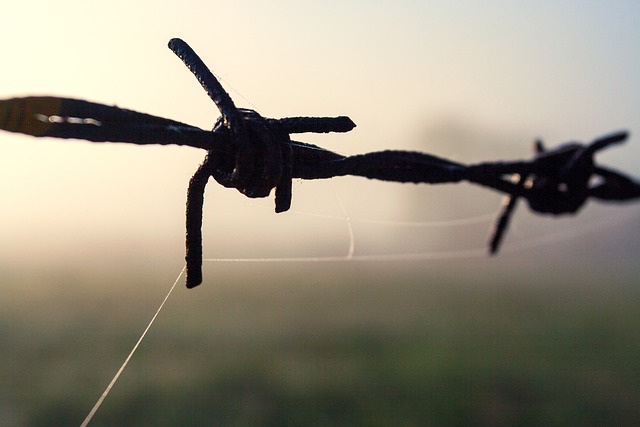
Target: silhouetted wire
[[255, 155], [128, 358]]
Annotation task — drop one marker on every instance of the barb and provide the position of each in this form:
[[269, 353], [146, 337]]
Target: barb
[[208, 81], [508, 205], [254, 155]]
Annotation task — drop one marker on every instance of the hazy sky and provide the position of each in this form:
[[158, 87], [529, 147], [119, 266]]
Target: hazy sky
[[464, 79]]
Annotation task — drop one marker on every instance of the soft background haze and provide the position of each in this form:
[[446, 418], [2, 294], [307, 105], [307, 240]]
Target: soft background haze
[[85, 227]]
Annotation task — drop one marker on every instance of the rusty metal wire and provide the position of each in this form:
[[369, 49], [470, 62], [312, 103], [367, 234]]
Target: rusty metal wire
[[255, 154]]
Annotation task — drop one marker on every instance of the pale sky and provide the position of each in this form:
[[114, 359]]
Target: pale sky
[[462, 79]]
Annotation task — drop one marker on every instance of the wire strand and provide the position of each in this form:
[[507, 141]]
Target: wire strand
[[587, 228], [133, 350], [347, 220], [406, 256]]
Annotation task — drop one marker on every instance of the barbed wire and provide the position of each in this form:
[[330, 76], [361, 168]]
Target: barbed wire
[[254, 155]]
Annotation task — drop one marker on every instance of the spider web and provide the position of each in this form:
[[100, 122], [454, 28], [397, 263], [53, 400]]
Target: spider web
[[350, 254]]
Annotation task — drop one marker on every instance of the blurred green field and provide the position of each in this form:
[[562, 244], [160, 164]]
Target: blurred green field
[[332, 345]]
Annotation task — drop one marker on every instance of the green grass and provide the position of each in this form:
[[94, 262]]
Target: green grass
[[339, 346]]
